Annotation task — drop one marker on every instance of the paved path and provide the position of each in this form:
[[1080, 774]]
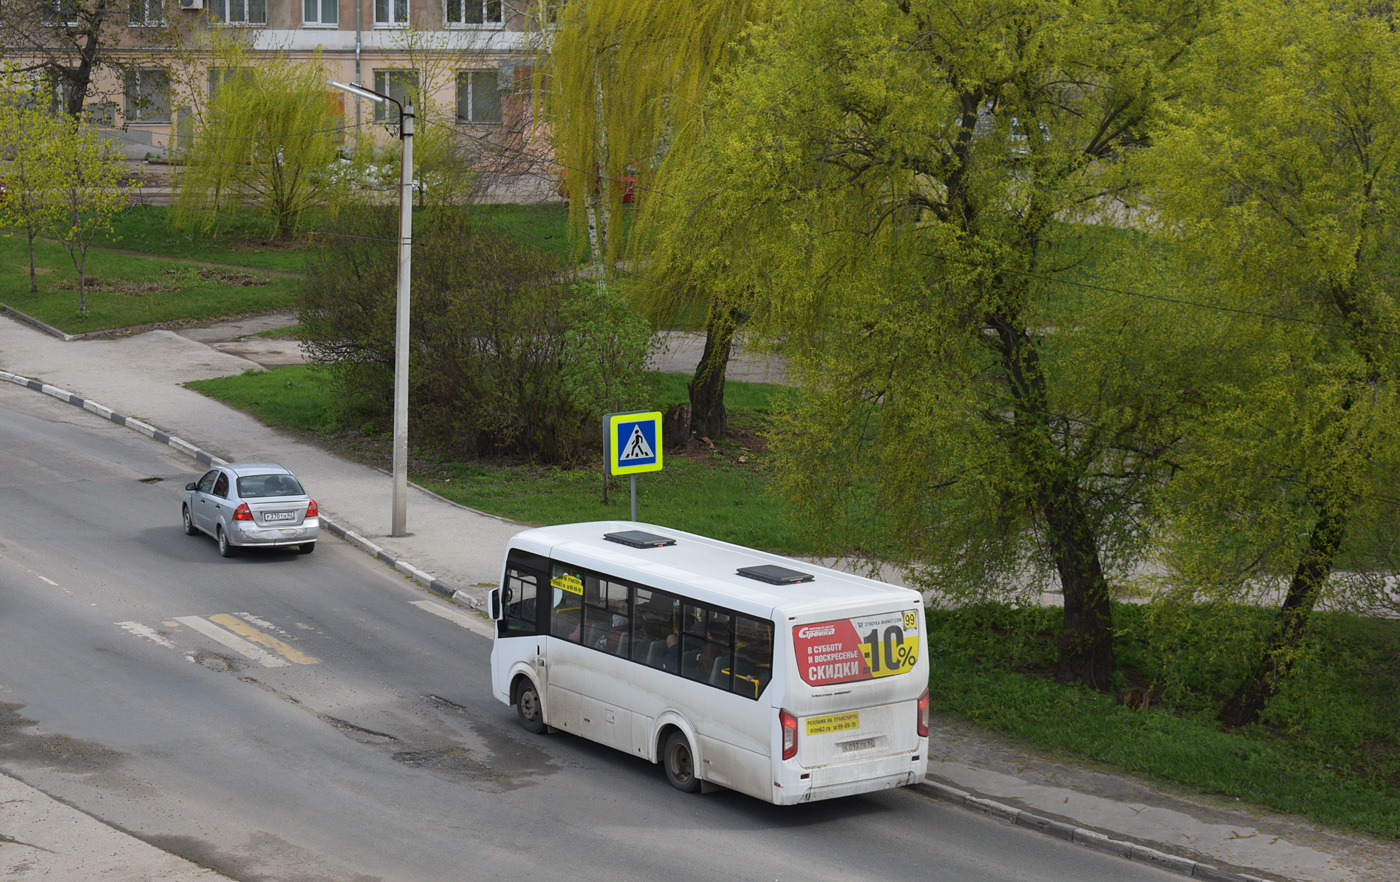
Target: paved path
[[142, 376]]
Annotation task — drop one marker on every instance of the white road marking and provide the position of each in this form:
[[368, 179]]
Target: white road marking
[[261, 623], [468, 621], [41, 578], [150, 634], [237, 644]]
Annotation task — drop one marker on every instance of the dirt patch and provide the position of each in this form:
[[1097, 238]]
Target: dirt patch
[[174, 280]]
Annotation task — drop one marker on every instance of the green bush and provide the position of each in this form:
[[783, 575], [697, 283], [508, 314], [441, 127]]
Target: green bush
[[509, 356]]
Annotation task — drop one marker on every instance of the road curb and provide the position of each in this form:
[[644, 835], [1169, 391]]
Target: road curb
[[1083, 836], [424, 578], [35, 323]]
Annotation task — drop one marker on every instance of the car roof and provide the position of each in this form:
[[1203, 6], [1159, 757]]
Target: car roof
[[243, 469]]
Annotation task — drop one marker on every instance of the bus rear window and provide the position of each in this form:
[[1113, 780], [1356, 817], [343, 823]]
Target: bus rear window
[[859, 648]]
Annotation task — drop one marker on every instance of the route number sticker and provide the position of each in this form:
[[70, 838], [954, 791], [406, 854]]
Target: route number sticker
[[862, 648]]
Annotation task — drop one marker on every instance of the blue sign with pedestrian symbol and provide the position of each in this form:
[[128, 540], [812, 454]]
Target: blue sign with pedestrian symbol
[[634, 443]]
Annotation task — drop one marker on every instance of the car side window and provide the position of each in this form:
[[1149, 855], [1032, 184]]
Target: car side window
[[221, 485], [206, 483]]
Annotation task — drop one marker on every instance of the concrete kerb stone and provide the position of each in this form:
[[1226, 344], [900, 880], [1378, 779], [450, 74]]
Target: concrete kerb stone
[[427, 580], [35, 323], [1083, 836]]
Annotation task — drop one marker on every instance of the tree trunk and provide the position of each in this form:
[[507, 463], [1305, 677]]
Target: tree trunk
[[707, 415], [1086, 638], [1291, 625], [33, 273]]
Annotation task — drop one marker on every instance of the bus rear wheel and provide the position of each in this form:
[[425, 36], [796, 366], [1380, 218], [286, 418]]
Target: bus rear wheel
[[529, 710], [679, 761]]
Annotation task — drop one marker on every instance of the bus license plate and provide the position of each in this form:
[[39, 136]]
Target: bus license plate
[[860, 744]]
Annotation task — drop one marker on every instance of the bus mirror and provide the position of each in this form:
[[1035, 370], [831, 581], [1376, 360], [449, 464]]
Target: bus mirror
[[495, 604]]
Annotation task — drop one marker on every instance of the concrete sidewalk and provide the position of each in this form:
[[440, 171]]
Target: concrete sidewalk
[[455, 550]]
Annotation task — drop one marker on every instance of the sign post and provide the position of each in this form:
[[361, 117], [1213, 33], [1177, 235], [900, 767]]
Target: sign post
[[634, 445]]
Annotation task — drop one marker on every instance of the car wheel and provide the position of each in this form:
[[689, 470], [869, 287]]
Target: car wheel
[[190, 528], [680, 763], [306, 547], [226, 548], [529, 709]]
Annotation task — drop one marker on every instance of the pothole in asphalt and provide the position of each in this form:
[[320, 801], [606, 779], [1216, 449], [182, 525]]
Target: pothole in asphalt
[[215, 662], [358, 733]]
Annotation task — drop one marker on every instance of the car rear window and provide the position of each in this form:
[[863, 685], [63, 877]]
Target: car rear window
[[258, 486]]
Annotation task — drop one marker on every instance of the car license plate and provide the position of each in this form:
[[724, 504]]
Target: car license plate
[[860, 744], [280, 516]]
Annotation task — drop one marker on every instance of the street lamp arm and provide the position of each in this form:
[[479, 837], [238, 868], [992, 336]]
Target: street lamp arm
[[405, 113]]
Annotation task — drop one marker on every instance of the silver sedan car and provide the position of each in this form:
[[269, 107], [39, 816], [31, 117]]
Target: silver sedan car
[[251, 504]]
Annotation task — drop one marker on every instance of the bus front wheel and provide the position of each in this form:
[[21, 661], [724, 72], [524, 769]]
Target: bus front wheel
[[680, 763], [527, 707]]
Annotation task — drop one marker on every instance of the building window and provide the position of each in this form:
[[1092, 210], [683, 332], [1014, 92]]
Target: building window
[[478, 96], [239, 12], [145, 13], [235, 76], [148, 96], [103, 114], [389, 13], [320, 12], [56, 13], [464, 13], [401, 85]]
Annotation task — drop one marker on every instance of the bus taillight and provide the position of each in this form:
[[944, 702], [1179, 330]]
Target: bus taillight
[[923, 715], [789, 724]]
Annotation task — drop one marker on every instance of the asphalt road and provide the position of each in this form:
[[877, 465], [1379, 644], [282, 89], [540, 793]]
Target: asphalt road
[[297, 718]]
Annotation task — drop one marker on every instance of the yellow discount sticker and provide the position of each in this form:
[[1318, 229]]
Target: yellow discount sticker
[[833, 723], [889, 643], [568, 582]]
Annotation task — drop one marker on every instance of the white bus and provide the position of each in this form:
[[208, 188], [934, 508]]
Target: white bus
[[780, 679]]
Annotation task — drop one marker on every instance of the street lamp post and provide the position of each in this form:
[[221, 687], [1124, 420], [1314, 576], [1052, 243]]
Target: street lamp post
[[398, 522]]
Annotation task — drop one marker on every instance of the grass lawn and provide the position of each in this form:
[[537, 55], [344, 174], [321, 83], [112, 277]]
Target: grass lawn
[[126, 290], [148, 272], [719, 492], [1327, 749], [239, 241]]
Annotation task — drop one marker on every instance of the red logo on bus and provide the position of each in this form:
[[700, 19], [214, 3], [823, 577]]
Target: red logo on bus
[[830, 652]]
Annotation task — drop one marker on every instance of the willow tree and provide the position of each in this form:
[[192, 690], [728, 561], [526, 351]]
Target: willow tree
[[900, 190], [1282, 180], [268, 137], [620, 82]]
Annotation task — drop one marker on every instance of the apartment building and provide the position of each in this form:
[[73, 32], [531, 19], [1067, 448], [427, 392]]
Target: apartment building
[[467, 60]]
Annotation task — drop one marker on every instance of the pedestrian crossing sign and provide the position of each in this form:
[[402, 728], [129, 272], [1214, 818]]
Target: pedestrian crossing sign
[[634, 443]]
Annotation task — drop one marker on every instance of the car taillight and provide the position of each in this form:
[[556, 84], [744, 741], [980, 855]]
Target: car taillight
[[312, 511], [242, 513], [789, 724], [923, 715]]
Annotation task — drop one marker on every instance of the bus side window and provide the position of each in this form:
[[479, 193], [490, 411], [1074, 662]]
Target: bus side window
[[519, 595], [653, 627], [566, 619], [606, 615], [705, 640], [753, 650]]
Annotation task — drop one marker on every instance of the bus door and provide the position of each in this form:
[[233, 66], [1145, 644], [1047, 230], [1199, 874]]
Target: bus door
[[524, 614]]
